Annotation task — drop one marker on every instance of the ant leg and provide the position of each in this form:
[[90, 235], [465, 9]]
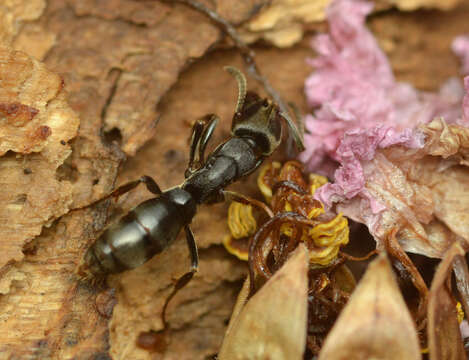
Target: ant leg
[[243, 199], [297, 129], [184, 279], [151, 184], [201, 133], [157, 340], [197, 131], [206, 135], [299, 119]]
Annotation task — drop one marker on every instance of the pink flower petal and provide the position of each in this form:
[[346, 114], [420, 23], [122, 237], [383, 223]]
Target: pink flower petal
[[353, 87]]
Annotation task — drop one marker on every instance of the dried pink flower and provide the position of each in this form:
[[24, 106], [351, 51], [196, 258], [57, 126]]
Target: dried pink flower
[[373, 127], [353, 87], [419, 193]]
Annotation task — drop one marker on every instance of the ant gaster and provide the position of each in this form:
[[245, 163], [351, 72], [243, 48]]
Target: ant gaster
[[153, 225]]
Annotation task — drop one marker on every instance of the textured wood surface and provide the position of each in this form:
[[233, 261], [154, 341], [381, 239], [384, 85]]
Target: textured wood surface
[[124, 64]]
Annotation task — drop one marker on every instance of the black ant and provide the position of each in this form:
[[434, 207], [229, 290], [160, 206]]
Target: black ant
[[153, 225]]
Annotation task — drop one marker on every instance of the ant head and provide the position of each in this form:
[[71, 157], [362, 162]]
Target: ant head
[[259, 119], [255, 117]]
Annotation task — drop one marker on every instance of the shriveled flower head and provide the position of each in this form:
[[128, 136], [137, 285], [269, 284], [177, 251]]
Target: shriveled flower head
[[286, 191]]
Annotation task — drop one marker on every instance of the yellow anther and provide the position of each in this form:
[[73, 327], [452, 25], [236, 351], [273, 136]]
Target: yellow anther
[[265, 188], [460, 312], [316, 212], [327, 238], [240, 220], [240, 253], [323, 240], [316, 182]]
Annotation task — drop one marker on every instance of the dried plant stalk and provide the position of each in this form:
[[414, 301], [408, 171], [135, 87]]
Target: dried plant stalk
[[444, 337]]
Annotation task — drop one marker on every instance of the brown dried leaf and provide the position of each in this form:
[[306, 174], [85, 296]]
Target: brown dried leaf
[[272, 324], [444, 336], [89, 52], [38, 123], [375, 323]]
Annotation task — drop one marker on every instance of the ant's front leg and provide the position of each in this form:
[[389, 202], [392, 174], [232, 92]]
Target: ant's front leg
[[201, 133]]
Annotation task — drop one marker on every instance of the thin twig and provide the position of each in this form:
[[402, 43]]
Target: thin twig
[[249, 58]]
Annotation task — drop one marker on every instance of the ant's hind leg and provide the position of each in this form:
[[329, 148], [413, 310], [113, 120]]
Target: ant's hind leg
[[158, 340], [201, 133], [184, 279], [151, 184]]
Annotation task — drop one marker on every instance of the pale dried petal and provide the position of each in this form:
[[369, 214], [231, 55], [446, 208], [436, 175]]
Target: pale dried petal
[[375, 323], [272, 325], [423, 194], [444, 336]]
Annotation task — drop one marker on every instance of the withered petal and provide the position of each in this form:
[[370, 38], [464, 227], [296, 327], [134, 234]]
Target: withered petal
[[375, 323], [423, 193], [272, 324]]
